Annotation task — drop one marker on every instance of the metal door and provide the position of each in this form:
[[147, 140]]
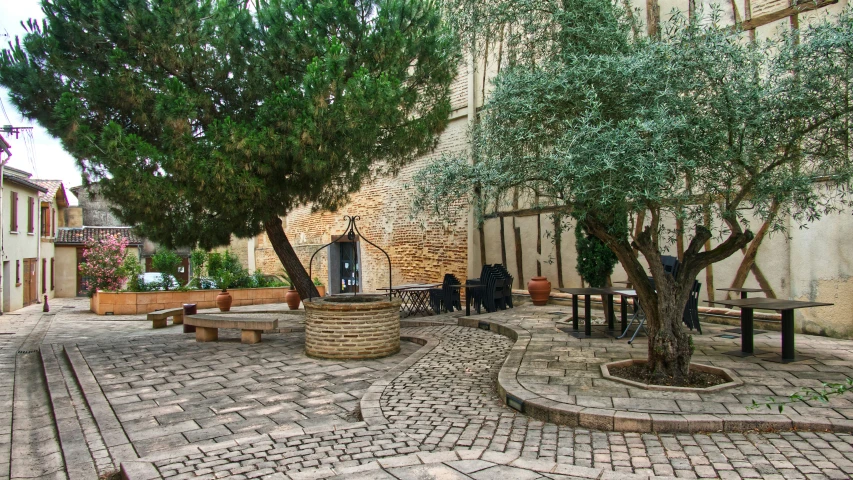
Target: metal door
[[349, 267]]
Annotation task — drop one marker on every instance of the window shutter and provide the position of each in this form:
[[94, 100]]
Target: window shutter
[[30, 214], [14, 223], [52, 276]]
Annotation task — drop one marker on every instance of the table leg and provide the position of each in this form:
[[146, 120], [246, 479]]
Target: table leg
[[624, 313], [746, 330], [575, 312], [788, 352], [746, 335], [611, 315], [467, 303], [587, 312]]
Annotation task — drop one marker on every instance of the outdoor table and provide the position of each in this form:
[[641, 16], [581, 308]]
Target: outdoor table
[[468, 287], [415, 297], [786, 307], [625, 293], [743, 294], [586, 292]]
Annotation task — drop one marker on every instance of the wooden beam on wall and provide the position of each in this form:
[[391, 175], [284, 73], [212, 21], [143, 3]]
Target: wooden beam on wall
[[519, 264], [503, 243], [755, 22], [558, 244], [539, 245]]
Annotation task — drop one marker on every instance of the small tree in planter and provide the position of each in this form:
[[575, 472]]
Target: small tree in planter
[[103, 265], [166, 262]]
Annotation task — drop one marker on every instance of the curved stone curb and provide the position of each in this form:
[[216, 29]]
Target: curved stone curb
[[371, 411], [514, 395]]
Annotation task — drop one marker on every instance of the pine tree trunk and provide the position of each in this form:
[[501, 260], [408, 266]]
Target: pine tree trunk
[[294, 268]]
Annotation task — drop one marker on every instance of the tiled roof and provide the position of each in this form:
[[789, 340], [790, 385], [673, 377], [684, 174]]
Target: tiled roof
[[54, 188], [23, 182], [81, 235]]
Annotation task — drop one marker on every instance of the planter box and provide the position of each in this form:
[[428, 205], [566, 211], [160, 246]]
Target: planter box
[[132, 303]]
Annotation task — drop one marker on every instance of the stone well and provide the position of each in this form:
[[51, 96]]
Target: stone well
[[352, 326]]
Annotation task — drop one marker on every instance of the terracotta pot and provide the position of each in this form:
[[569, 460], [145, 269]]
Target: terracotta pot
[[321, 289], [223, 301], [292, 299], [539, 289]]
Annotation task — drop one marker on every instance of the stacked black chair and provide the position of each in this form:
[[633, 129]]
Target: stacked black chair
[[451, 297], [445, 298], [507, 290], [691, 310], [496, 292]]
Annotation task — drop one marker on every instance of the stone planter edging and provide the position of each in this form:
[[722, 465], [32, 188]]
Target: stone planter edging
[[516, 396], [133, 303], [733, 380]]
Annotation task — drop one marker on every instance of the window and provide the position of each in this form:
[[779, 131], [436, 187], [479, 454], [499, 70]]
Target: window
[[31, 207], [14, 218], [52, 275], [43, 275], [17, 273], [45, 221]]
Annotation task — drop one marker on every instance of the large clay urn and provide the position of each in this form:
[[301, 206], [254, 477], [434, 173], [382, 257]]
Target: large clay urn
[[292, 299], [539, 289], [223, 301]]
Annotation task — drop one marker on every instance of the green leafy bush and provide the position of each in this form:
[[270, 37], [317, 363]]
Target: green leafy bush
[[166, 262]]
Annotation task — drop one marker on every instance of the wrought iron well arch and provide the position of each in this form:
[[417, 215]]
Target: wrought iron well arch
[[351, 232]]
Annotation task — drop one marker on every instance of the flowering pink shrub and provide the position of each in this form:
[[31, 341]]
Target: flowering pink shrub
[[102, 265]]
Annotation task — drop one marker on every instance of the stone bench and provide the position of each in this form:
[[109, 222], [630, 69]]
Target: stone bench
[[207, 327], [159, 317]]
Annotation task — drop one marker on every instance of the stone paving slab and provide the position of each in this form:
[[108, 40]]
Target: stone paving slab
[[555, 377]]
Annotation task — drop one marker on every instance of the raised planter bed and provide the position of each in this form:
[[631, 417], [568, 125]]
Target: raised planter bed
[[131, 303], [732, 380]]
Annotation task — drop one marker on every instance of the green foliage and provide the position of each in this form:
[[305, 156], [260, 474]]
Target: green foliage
[[133, 269], [226, 270], [317, 281], [198, 258], [595, 260], [166, 262], [807, 394], [202, 119]]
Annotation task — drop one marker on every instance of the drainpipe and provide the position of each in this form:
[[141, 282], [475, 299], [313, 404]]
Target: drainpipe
[[37, 228], [3, 162]]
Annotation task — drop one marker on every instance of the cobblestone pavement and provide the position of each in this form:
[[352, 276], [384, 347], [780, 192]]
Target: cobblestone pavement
[[227, 410]]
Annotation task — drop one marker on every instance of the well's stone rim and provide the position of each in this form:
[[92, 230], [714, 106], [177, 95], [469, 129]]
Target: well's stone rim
[[732, 379], [381, 302]]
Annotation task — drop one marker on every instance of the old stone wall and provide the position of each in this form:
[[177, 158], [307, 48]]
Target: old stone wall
[[95, 208]]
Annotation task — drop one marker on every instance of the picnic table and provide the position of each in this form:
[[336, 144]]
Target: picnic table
[[415, 297], [786, 307]]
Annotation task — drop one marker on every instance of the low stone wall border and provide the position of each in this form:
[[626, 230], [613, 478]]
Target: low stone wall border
[[515, 396]]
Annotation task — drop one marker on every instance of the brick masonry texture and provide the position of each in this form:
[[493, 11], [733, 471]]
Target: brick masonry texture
[[352, 330], [420, 249]]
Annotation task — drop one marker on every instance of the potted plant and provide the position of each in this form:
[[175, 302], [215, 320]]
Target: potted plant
[[321, 289], [223, 279], [292, 297]]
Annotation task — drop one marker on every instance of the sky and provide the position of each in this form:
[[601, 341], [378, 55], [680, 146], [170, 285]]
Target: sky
[[44, 157]]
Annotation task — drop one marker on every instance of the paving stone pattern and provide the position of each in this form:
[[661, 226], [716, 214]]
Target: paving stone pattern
[[227, 410]]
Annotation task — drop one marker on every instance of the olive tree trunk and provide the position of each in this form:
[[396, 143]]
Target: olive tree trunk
[[670, 346], [299, 278]]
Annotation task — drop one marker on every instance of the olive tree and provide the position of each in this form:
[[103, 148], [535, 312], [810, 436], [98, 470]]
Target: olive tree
[[698, 125]]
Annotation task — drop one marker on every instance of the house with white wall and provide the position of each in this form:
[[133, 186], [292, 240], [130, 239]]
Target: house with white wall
[[20, 239]]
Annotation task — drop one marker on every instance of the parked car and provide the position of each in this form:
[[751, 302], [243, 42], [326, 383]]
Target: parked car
[[156, 278]]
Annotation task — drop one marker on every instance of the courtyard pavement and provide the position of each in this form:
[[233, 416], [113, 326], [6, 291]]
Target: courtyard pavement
[[83, 394]]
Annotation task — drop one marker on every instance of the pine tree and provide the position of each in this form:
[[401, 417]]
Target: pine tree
[[207, 118]]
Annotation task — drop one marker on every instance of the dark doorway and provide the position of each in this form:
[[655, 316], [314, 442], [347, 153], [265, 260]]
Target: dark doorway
[[344, 267]]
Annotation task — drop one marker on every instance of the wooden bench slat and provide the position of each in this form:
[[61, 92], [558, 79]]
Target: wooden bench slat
[[222, 321]]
